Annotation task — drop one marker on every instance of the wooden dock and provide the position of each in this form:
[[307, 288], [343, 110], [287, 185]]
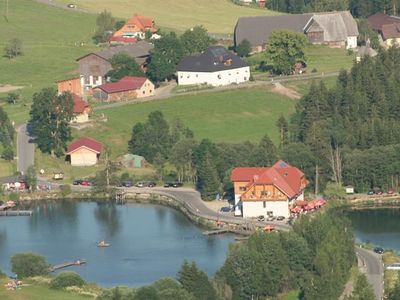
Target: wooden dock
[[218, 231], [5, 213], [68, 264]]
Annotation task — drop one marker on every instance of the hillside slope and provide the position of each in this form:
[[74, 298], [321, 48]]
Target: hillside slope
[[218, 16]]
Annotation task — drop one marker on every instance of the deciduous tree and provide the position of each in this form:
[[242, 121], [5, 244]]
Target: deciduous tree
[[13, 48], [124, 65], [105, 24], [244, 48], [195, 40]]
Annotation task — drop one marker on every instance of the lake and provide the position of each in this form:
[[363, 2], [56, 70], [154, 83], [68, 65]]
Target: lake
[[147, 241], [380, 227]]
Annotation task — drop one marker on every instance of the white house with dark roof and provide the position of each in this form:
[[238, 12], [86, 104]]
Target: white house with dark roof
[[335, 29], [216, 66]]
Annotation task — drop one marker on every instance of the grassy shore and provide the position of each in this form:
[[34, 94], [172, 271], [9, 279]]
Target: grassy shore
[[218, 16]]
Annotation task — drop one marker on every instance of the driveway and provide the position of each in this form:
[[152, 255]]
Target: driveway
[[25, 149], [374, 269]]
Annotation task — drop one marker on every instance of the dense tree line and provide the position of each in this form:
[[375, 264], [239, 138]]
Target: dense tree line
[[315, 257], [347, 128], [170, 49], [6, 135], [358, 8]]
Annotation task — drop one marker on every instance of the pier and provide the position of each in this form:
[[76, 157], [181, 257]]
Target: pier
[[13, 213], [68, 264], [214, 232]]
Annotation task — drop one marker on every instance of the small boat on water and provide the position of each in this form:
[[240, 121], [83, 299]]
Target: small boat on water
[[103, 244]]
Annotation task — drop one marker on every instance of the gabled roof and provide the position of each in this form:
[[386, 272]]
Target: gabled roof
[[379, 19], [140, 51], [391, 31], [213, 59], [79, 104], [127, 83], [285, 177], [122, 39], [85, 142], [257, 30]]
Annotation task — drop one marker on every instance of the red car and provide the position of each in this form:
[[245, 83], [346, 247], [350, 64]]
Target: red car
[[85, 183]]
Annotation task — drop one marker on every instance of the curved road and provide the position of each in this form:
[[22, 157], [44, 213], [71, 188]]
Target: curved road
[[374, 265], [25, 149]]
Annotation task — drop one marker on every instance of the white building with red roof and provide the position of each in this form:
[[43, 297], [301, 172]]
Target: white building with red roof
[[267, 191], [84, 152], [137, 27], [128, 88], [81, 110]]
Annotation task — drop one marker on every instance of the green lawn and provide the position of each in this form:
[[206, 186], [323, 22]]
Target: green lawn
[[319, 57], [218, 16], [293, 295], [35, 291], [229, 116], [51, 39]]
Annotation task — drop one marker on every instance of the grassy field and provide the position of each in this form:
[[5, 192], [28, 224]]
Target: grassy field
[[228, 116], [51, 39], [35, 291], [218, 16]]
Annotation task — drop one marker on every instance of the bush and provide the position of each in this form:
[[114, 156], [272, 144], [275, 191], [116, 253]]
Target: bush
[[29, 264], [314, 70], [8, 153], [66, 279], [65, 190]]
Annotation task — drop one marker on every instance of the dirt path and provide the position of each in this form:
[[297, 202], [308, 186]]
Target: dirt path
[[285, 91], [9, 88]]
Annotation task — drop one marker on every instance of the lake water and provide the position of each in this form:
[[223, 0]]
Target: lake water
[[380, 227], [147, 241]]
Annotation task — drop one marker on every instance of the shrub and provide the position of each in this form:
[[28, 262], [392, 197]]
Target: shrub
[[29, 264], [65, 190], [13, 196], [66, 279], [8, 153], [314, 70]]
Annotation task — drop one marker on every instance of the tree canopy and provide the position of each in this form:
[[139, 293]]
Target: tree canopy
[[244, 48], [124, 65], [13, 48], [50, 117], [286, 48], [195, 40], [105, 24]]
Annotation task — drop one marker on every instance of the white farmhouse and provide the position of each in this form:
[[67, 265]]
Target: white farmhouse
[[216, 66]]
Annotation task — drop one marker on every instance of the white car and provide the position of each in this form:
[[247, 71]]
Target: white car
[[395, 266]]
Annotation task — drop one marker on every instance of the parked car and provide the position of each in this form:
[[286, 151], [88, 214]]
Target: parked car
[[379, 250], [379, 192], [127, 183], [280, 218], [225, 209], [261, 218], [85, 182], [390, 191], [371, 192], [271, 218], [71, 5], [77, 182], [173, 184], [394, 266], [146, 184]]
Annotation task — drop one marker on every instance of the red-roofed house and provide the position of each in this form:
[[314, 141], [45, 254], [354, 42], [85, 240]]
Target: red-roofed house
[[84, 152], [267, 191], [72, 85], [116, 40], [81, 110], [136, 27], [387, 26], [127, 88]]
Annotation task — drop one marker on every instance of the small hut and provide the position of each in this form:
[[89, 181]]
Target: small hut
[[133, 161]]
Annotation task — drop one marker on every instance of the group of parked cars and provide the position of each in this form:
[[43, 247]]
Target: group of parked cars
[[83, 182], [377, 191], [129, 183]]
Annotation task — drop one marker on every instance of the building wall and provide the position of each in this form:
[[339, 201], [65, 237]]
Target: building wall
[[391, 42], [71, 85], [92, 69], [146, 90], [267, 192], [219, 78], [257, 208], [83, 157], [80, 118], [99, 94], [351, 42]]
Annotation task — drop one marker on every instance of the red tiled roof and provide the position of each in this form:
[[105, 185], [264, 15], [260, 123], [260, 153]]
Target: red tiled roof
[[79, 104], [122, 39], [379, 19], [127, 83], [143, 23], [390, 31], [282, 175], [87, 143]]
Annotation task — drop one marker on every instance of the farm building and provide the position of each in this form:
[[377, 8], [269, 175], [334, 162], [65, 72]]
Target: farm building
[[72, 85], [216, 66], [267, 191], [335, 29], [388, 28], [136, 27], [84, 152], [81, 110], [128, 88], [93, 67]]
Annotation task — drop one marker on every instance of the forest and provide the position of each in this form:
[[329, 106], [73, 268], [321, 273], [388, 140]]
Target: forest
[[358, 8]]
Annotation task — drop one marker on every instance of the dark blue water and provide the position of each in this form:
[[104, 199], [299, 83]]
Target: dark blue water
[[380, 227], [147, 241]]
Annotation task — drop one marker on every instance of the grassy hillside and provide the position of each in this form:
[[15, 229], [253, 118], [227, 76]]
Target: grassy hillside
[[51, 40], [218, 16], [229, 116]]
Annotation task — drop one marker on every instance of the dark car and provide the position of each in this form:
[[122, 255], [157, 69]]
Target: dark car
[[127, 183], [261, 218], [168, 184], [379, 250], [77, 182], [225, 209], [280, 218], [146, 184]]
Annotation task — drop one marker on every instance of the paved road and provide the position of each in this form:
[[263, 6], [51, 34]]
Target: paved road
[[25, 149], [374, 269]]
